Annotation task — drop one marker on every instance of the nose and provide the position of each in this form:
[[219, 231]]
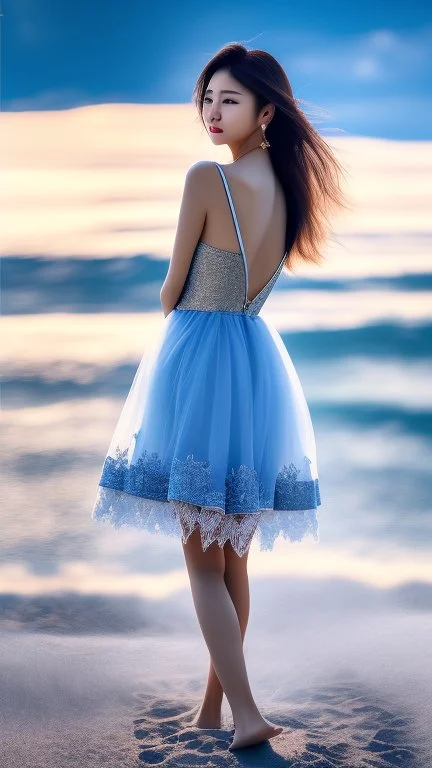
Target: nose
[[213, 115]]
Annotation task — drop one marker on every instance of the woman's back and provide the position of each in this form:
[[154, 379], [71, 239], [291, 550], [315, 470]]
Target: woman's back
[[259, 203]]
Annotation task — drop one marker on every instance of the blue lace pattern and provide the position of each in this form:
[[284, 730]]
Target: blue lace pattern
[[174, 502]]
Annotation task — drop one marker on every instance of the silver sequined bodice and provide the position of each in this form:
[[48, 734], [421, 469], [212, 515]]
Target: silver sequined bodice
[[218, 279]]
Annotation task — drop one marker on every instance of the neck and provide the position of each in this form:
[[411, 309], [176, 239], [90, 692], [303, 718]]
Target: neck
[[245, 152]]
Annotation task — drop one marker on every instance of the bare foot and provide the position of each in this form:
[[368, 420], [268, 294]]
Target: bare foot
[[254, 735], [207, 719]]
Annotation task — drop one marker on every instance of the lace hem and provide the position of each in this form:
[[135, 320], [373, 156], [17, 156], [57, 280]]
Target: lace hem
[[178, 518], [192, 480]]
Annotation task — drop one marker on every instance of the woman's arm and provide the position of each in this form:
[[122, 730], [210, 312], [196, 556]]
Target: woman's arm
[[192, 216]]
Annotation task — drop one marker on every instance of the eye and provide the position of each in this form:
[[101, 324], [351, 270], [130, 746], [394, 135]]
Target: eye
[[207, 98]]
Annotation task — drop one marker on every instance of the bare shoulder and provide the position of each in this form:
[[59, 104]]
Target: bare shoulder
[[201, 179], [202, 170]]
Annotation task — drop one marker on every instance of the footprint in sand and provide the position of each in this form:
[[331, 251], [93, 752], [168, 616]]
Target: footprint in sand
[[337, 725]]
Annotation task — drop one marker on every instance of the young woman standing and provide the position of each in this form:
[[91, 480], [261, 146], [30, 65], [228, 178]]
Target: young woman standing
[[215, 442]]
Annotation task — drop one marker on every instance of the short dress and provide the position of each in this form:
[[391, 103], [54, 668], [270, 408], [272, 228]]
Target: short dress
[[215, 432]]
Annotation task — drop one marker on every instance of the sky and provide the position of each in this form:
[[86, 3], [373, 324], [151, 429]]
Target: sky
[[369, 70], [107, 180]]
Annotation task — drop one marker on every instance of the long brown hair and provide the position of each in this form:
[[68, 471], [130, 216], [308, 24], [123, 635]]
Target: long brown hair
[[302, 160]]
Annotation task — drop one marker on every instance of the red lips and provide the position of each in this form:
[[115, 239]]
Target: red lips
[[213, 129]]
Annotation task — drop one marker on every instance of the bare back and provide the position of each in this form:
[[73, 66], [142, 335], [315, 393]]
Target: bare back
[[260, 205]]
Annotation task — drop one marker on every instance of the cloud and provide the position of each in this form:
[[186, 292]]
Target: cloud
[[378, 56], [61, 163]]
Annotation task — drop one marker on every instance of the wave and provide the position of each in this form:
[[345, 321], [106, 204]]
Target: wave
[[354, 373], [36, 285]]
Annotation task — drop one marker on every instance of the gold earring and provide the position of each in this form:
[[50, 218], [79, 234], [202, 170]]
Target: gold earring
[[264, 144]]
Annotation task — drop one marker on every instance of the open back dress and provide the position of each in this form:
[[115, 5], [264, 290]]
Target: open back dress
[[215, 432]]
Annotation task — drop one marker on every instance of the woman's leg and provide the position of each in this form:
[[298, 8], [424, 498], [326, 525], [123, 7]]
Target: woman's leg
[[237, 583], [221, 629], [219, 623]]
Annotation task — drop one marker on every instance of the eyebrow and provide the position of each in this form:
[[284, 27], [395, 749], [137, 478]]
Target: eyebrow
[[209, 90]]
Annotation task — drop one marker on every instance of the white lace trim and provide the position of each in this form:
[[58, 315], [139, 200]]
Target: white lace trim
[[178, 518]]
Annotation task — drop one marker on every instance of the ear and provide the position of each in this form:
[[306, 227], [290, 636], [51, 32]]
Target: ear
[[268, 112]]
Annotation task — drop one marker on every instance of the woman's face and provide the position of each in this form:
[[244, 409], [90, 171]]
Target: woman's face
[[233, 113]]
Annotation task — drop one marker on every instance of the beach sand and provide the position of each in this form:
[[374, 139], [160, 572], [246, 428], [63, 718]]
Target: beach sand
[[355, 695]]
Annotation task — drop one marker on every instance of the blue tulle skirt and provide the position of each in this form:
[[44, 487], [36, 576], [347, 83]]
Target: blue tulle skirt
[[215, 433]]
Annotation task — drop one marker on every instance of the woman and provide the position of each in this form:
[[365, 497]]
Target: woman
[[215, 442]]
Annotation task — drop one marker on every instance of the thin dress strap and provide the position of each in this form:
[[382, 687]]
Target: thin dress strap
[[239, 237], [246, 302]]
